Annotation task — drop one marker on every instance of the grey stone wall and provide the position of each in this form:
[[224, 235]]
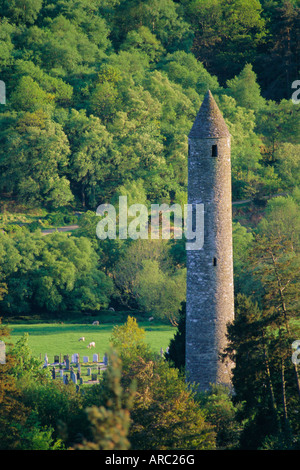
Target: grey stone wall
[[210, 298]]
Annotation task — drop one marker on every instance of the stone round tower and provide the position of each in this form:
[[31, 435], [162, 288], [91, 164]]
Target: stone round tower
[[210, 298]]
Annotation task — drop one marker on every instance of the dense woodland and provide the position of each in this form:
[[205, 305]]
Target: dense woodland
[[100, 98]]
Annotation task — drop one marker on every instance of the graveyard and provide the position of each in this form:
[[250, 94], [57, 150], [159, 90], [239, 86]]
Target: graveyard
[[60, 348], [81, 371]]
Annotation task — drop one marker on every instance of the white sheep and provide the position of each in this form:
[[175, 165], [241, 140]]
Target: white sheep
[[82, 338], [91, 345], [95, 323]]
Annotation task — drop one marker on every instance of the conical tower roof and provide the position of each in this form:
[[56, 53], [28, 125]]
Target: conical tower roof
[[209, 123]]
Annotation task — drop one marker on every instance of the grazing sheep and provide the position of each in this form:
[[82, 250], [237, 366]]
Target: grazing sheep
[[95, 323], [82, 338], [91, 345], [151, 319]]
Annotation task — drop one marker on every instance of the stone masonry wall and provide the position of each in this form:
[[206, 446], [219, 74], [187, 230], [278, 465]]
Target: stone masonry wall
[[210, 299]]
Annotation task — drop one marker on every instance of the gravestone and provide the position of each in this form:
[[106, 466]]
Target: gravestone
[[94, 377], [85, 359], [89, 370], [53, 373], [95, 358], [105, 359], [56, 359], [46, 361], [67, 361]]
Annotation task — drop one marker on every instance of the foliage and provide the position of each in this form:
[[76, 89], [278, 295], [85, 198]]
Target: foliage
[[25, 363], [176, 352], [101, 96], [164, 414], [52, 273], [110, 423], [220, 411]]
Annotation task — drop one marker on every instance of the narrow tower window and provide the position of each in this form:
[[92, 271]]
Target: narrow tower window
[[214, 151], [215, 261]]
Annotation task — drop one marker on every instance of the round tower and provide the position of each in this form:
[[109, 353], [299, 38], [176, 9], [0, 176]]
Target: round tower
[[210, 298]]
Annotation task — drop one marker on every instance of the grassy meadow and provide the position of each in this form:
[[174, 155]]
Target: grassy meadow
[[62, 338]]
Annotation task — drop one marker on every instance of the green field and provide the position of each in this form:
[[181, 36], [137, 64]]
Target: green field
[[62, 338]]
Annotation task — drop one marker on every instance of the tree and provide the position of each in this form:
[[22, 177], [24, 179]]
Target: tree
[[227, 34], [277, 61], [176, 353], [277, 123], [56, 273], [12, 411], [287, 165], [264, 377], [110, 422], [21, 11], [221, 413], [245, 89], [160, 293], [161, 17], [252, 380], [128, 339], [142, 39], [164, 414], [91, 157], [40, 144], [247, 171], [28, 96]]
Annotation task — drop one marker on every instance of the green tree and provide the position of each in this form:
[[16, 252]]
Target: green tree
[[161, 17], [176, 352], [25, 363], [164, 415], [245, 89], [143, 40], [12, 411], [6, 43], [36, 176], [160, 293], [21, 11], [277, 123], [91, 157], [264, 377], [110, 422], [56, 273], [128, 340], [221, 413], [227, 33]]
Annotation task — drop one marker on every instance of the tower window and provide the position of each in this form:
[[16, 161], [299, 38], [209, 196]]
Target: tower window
[[214, 151], [215, 262]]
